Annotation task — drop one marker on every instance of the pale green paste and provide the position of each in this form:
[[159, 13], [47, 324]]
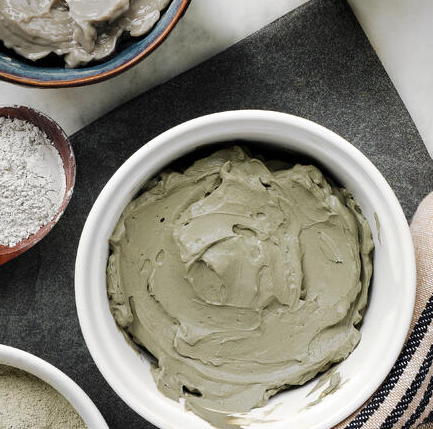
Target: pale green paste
[[240, 279]]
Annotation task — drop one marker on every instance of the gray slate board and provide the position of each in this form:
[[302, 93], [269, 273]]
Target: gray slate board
[[314, 62]]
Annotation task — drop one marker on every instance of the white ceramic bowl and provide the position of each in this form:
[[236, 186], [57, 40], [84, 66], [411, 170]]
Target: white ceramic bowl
[[392, 294], [58, 380]]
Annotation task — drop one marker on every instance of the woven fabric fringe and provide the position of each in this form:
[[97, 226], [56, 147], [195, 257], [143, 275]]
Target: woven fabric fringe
[[404, 400]]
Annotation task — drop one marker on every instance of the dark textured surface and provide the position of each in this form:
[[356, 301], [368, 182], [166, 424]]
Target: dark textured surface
[[314, 62]]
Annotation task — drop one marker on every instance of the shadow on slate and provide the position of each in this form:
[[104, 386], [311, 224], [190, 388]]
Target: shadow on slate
[[314, 62]]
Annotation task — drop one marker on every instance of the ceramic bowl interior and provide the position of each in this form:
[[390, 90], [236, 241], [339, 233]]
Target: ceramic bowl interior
[[61, 143], [19, 70], [392, 293], [58, 380]]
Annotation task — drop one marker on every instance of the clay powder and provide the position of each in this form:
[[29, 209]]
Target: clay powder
[[26, 402], [32, 180]]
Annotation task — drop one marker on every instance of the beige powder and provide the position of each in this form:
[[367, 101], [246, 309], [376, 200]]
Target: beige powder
[[26, 402]]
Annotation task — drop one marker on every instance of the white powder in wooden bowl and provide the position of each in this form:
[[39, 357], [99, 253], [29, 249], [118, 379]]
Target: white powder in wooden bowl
[[26, 402], [32, 180]]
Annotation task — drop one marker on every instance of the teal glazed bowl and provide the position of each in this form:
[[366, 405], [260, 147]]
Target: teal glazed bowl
[[15, 69]]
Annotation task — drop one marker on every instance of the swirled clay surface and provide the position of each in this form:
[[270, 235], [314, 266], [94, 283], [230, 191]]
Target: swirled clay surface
[[79, 30], [242, 278]]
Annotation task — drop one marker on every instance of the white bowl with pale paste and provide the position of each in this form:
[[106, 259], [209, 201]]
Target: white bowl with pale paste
[[392, 293], [20, 359]]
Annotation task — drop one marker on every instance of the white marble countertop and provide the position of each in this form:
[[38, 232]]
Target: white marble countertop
[[401, 31], [208, 27]]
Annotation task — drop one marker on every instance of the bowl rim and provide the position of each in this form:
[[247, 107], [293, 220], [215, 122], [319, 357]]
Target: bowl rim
[[33, 115], [57, 379], [99, 77], [222, 118]]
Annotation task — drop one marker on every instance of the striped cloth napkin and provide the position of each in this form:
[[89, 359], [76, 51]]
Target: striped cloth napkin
[[404, 401]]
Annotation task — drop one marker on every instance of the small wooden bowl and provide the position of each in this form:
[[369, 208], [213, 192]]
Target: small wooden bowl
[[61, 143]]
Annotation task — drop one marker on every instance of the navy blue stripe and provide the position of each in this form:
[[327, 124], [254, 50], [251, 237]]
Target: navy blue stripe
[[408, 351], [429, 418], [421, 407], [411, 391]]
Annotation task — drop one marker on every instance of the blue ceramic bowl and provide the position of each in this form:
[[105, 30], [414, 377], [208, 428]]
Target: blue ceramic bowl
[[14, 68]]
